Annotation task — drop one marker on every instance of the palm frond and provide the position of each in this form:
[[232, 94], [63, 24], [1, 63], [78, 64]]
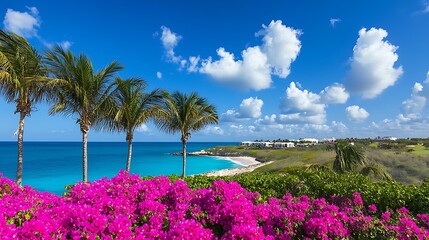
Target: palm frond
[[131, 105], [79, 89], [377, 170], [348, 156], [185, 113], [23, 75]]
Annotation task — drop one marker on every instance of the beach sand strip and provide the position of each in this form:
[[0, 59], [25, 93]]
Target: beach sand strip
[[248, 165]]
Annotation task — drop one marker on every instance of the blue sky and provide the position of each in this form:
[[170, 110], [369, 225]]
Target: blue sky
[[273, 69]]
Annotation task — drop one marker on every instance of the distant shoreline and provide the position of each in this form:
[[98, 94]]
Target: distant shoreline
[[247, 164], [243, 161]]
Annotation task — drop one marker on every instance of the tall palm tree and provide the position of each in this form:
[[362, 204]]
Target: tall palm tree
[[23, 81], [133, 107], [185, 113], [348, 157], [82, 91]]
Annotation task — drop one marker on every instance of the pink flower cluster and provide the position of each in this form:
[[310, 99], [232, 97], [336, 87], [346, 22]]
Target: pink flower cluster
[[126, 207]]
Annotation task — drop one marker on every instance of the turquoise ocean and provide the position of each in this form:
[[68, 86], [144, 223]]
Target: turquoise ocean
[[49, 166]]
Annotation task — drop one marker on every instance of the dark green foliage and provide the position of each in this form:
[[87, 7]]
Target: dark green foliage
[[324, 184], [348, 157], [392, 146], [183, 113]]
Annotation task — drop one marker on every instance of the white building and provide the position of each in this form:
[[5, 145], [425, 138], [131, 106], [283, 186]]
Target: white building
[[389, 138], [264, 144], [284, 144], [268, 144], [246, 143], [309, 140]]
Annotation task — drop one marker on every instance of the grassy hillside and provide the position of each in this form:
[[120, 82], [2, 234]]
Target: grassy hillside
[[407, 164]]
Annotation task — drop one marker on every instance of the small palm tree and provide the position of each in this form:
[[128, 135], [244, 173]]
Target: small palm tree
[[348, 157], [133, 107], [23, 81], [185, 113], [375, 169], [82, 91]]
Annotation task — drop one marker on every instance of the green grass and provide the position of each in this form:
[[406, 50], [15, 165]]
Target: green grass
[[419, 150], [373, 145], [409, 167], [282, 158]]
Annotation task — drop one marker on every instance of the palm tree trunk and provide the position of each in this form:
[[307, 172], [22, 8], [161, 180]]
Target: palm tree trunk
[[184, 158], [85, 155], [19, 169], [130, 151]]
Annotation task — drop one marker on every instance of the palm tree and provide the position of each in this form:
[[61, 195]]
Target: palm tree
[[377, 170], [133, 108], [82, 91], [185, 113], [351, 158], [23, 81], [348, 157]]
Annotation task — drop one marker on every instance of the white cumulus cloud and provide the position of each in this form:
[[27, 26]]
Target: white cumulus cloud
[[281, 45], [413, 107], [224, 68], [169, 41], [338, 127], [159, 75], [253, 70], [297, 100], [372, 65], [214, 130], [193, 63], [229, 116], [251, 108], [267, 120], [302, 117], [301, 106], [242, 129], [25, 24], [356, 113], [335, 93]]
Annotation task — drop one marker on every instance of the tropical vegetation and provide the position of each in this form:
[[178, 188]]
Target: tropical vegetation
[[127, 207], [23, 80], [100, 99], [82, 91], [305, 193], [185, 113], [132, 108], [407, 164]]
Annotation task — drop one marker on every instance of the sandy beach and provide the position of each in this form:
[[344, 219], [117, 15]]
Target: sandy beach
[[248, 165], [243, 161]]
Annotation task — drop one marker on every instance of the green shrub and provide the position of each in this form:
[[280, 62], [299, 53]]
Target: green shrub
[[318, 184]]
